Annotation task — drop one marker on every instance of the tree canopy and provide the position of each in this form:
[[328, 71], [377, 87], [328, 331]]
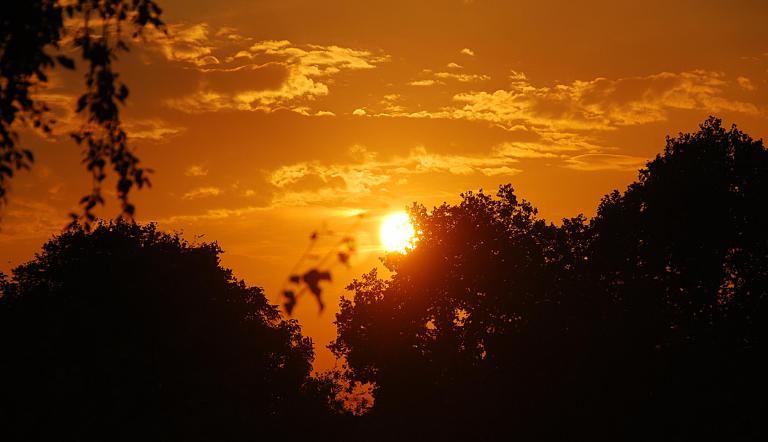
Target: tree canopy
[[647, 322], [127, 333]]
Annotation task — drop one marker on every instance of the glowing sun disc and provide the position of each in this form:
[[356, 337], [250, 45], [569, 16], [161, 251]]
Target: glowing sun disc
[[397, 234]]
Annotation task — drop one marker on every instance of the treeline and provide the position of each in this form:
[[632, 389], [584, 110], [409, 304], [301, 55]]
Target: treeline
[[126, 333], [647, 322]]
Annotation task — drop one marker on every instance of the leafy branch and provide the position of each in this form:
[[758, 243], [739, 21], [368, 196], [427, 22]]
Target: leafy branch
[[26, 39], [300, 281]]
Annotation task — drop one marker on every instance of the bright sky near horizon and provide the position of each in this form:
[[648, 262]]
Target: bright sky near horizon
[[267, 120]]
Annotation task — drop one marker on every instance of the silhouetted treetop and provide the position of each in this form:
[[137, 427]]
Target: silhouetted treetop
[[692, 230], [646, 323], [477, 303], [126, 331], [684, 253], [31, 32]]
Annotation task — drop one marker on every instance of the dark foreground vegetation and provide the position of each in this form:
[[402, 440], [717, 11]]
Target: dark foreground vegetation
[[127, 333], [648, 323]]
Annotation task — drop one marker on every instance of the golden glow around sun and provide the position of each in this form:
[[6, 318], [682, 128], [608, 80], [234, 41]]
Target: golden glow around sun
[[397, 234]]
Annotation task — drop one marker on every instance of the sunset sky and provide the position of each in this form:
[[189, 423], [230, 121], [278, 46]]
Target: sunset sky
[[267, 120]]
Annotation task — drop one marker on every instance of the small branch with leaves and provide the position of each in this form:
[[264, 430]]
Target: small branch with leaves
[[29, 40], [303, 278]]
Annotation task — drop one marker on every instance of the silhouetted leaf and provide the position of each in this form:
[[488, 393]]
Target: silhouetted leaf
[[290, 301], [312, 278], [66, 61]]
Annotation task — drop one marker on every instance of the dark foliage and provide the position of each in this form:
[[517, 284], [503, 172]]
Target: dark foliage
[[647, 323], [684, 255], [127, 333], [30, 35]]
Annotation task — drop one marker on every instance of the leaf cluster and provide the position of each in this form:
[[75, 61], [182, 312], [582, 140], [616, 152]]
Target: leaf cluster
[[317, 269], [30, 46]]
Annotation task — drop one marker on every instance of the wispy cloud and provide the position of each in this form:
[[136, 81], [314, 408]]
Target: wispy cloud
[[600, 161], [306, 70], [528, 150], [312, 182], [426, 82], [202, 192], [599, 104], [151, 129], [25, 218], [187, 43], [439, 78], [464, 78], [196, 171], [745, 83], [212, 215]]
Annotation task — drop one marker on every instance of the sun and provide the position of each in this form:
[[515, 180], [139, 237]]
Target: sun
[[397, 234]]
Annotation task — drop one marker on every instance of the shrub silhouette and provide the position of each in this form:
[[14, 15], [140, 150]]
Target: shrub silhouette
[[127, 333], [646, 323]]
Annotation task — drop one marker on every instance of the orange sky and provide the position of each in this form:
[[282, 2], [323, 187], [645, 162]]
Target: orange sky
[[266, 119]]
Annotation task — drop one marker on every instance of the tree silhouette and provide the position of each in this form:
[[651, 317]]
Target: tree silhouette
[[30, 36], [127, 333], [477, 313], [684, 252], [647, 323]]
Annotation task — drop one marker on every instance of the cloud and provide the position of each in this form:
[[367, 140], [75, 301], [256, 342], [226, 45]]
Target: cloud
[[601, 162], [212, 215], [305, 71], [516, 76], [423, 83], [62, 106], [289, 174], [230, 33], [464, 78], [186, 43], [599, 104], [62, 102], [196, 171], [202, 192], [745, 83], [453, 66], [359, 112], [25, 218], [391, 103], [366, 173], [503, 170], [467, 51], [151, 129], [525, 150], [313, 182]]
